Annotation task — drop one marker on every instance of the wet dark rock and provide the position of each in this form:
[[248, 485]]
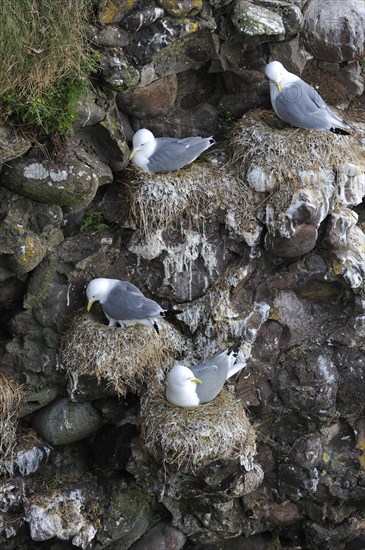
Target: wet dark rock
[[128, 515], [307, 382], [136, 20], [111, 446], [63, 422]]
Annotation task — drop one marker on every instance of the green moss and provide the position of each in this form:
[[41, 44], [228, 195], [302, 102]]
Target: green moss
[[93, 221]]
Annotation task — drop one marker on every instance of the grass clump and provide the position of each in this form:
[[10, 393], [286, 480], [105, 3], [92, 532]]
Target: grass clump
[[11, 399], [45, 59], [93, 221]]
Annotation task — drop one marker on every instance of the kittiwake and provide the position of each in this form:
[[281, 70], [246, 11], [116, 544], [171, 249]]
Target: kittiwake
[[192, 386], [166, 154], [299, 104], [124, 304]]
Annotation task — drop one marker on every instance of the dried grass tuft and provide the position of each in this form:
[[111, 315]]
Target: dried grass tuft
[[283, 153], [124, 357], [11, 399], [190, 439], [159, 201]]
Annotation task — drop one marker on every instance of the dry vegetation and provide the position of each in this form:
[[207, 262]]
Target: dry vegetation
[[124, 357], [159, 201], [11, 398], [44, 59], [189, 439], [283, 153]]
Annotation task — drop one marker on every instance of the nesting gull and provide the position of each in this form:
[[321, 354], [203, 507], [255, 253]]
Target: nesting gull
[[166, 154], [189, 387], [124, 304], [299, 104]]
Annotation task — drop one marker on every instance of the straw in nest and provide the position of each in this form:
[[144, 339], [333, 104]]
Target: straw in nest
[[11, 399], [192, 438], [124, 357]]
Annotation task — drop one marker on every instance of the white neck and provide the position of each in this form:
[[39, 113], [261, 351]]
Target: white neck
[[183, 397]]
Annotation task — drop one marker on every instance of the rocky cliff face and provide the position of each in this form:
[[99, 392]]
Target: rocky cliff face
[[262, 238]]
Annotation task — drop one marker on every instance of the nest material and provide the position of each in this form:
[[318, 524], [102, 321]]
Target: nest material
[[11, 399], [191, 438], [283, 153], [158, 201], [124, 357]]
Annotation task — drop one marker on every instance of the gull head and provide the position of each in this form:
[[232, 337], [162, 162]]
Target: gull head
[[180, 376], [98, 290], [275, 72], [140, 139]]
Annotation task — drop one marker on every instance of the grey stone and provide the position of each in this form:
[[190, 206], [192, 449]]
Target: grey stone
[[12, 144], [335, 31], [117, 72], [136, 20], [291, 14], [152, 100], [68, 183], [163, 536], [63, 422], [257, 23], [181, 8], [88, 111]]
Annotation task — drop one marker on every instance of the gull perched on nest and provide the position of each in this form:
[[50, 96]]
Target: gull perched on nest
[[189, 387], [299, 104], [166, 154], [124, 304]]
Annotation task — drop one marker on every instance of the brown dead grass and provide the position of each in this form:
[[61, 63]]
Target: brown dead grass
[[191, 438], [11, 399], [124, 357]]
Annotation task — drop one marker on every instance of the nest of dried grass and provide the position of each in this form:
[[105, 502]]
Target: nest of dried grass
[[158, 201], [11, 399], [124, 357], [260, 140], [190, 439]]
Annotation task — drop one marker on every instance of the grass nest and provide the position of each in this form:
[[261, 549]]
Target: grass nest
[[123, 357], [11, 400], [261, 140], [190, 439], [157, 201]]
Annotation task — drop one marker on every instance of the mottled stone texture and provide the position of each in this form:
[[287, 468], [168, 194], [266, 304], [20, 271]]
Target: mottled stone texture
[[262, 239]]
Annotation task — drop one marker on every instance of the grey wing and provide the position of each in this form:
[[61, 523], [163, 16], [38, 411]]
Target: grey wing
[[213, 377], [125, 301], [301, 105], [171, 154]]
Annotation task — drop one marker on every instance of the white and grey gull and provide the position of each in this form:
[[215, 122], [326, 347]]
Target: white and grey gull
[[299, 104], [124, 304], [166, 154], [199, 384]]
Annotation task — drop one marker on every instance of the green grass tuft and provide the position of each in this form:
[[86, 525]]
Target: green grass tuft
[[45, 59]]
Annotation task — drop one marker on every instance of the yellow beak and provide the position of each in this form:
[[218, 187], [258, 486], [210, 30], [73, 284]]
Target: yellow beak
[[197, 380], [134, 152], [277, 84], [90, 303]]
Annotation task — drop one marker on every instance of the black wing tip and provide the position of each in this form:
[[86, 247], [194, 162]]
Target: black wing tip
[[170, 312], [235, 348], [155, 326], [340, 131]]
